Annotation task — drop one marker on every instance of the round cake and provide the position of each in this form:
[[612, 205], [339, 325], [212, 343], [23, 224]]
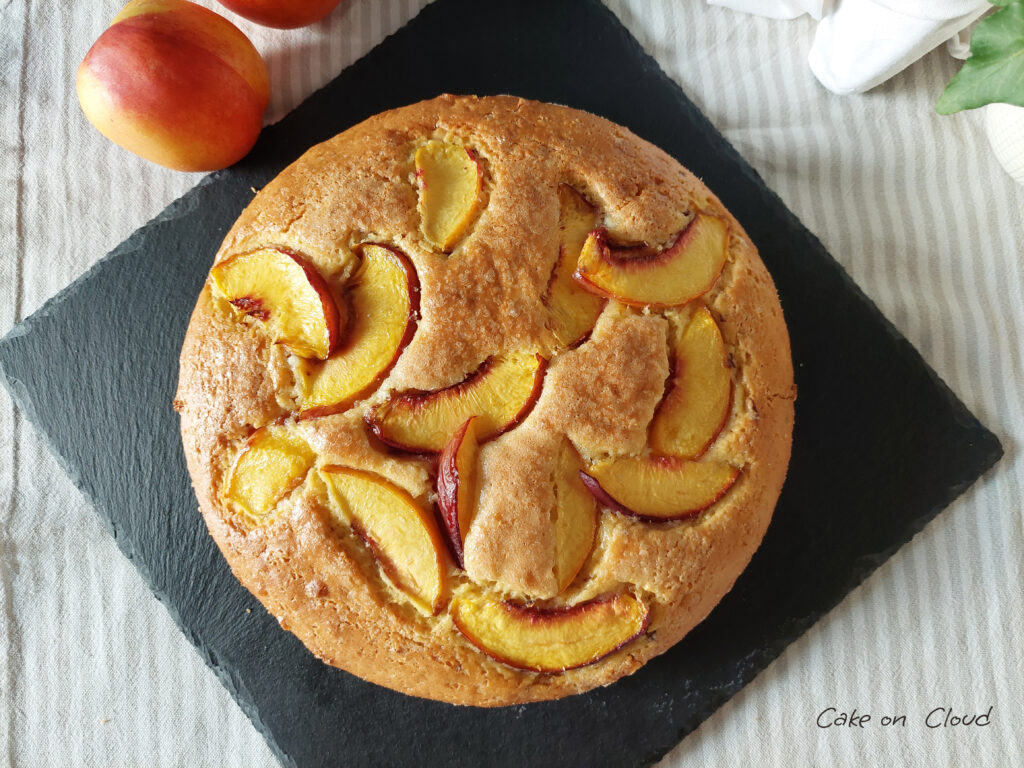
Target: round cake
[[487, 400]]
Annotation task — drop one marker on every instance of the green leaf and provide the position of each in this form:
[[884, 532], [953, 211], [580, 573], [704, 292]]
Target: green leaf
[[995, 71]]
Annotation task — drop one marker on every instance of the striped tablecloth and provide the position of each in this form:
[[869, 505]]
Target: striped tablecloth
[[912, 204]]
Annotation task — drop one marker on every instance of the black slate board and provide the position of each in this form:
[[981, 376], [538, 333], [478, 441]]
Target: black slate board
[[881, 444]]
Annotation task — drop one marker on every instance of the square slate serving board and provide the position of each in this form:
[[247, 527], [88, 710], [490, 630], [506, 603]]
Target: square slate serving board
[[881, 444]]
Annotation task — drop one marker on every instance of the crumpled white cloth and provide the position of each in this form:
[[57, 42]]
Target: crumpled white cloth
[[862, 43]]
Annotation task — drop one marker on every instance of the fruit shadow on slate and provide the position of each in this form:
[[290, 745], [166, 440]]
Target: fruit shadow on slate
[[864, 477]]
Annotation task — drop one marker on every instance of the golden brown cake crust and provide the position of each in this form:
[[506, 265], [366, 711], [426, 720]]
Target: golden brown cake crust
[[487, 297]]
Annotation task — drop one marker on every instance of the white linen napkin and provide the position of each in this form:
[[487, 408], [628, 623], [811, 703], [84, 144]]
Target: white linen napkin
[[862, 43]]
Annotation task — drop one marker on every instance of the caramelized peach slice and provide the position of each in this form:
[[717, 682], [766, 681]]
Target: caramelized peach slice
[[700, 393], [657, 488], [549, 640], [575, 517], [457, 485], [272, 463], [500, 393], [287, 293], [573, 309], [682, 272], [385, 301], [450, 182], [402, 535]]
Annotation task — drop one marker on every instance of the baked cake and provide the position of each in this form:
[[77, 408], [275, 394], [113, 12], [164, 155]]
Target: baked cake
[[487, 400]]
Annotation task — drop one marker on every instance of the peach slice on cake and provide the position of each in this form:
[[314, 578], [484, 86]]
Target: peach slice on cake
[[286, 292], [400, 532], [272, 463], [656, 488], [457, 485], [573, 309], [668, 278], [575, 517], [384, 297], [549, 639], [696, 406], [500, 393], [450, 182]]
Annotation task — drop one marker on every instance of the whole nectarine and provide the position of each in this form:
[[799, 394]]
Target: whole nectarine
[[283, 14], [177, 84]]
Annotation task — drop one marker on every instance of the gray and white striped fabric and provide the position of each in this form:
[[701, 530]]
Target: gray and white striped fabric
[[913, 205]]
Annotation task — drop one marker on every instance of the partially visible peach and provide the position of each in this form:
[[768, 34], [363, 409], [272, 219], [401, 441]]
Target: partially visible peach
[[177, 84], [283, 14]]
